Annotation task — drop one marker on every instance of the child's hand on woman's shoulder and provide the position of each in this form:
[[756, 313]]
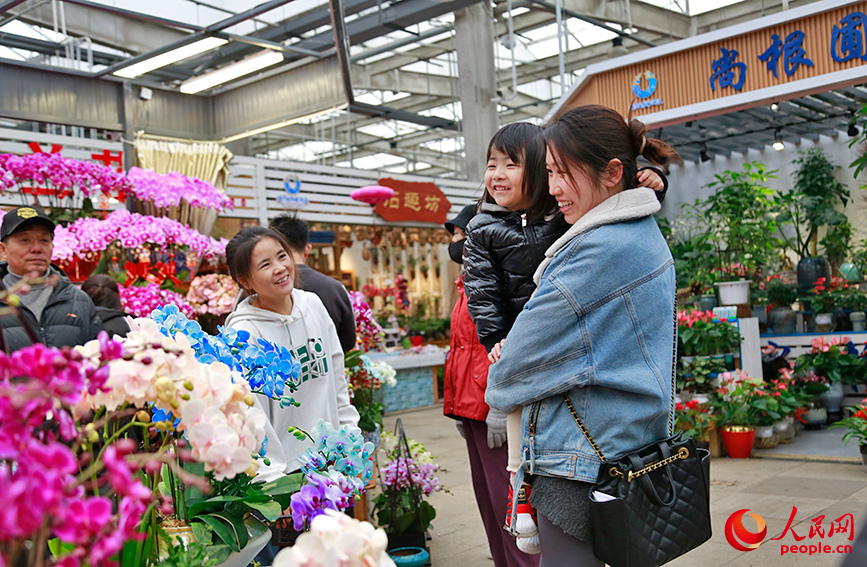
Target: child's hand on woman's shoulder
[[494, 355]]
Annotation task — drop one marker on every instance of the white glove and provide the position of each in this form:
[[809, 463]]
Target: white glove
[[496, 422], [460, 426]]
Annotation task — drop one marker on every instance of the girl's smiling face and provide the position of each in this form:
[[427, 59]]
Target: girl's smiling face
[[272, 270], [504, 181]]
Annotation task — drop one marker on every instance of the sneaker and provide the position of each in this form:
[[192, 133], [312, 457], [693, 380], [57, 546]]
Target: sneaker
[[529, 545], [525, 523]]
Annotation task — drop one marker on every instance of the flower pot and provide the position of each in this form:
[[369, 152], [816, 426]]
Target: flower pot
[[782, 320], [785, 431], [738, 440], [859, 323], [811, 269], [175, 533], [815, 416], [707, 302], [374, 436], [409, 556], [734, 293], [863, 449], [765, 437], [248, 552], [833, 398], [842, 323], [79, 269], [824, 323]]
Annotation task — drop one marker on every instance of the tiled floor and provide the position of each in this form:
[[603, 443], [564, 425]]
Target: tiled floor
[[815, 474]]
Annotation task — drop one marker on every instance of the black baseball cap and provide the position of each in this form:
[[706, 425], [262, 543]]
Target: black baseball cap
[[462, 220], [16, 218]]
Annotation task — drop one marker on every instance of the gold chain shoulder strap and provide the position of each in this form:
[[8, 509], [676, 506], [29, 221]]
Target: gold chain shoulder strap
[[670, 413]]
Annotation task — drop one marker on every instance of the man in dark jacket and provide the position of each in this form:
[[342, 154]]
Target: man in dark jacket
[[55, 312], [330, 291]]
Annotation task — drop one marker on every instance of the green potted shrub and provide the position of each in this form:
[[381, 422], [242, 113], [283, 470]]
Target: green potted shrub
[[780, 296], [821, 191]]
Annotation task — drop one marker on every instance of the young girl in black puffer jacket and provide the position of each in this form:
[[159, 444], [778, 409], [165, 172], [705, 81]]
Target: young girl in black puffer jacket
[[506, 241]]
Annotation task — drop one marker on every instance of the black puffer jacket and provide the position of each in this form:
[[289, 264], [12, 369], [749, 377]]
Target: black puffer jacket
[[501, 255], [69, 317], [114, 320]]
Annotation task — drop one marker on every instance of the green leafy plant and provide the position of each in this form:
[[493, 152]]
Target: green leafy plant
[[822, 192], [834, 361], [835, 292], [836, 244], [192, 554], [778, 293], [697, 375], [694, 419], [225, 517], [740, 217], [743, 400], [856, 424], [700, 333]]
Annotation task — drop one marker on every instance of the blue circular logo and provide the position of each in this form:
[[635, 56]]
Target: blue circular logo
[[651, 84], [292, 183]]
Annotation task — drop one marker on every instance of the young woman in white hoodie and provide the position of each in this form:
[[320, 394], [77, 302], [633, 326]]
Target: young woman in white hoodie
[[261, 263]]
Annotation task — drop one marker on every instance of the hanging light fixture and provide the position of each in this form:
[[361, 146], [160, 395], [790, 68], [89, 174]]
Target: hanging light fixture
[[778, 141], [702, 154]]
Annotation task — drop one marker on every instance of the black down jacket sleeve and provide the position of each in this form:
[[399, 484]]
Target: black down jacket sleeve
[[484, 284]]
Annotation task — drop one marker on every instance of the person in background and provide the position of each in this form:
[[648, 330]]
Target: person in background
[[261, 263], [105, 294], [54, 312], [466, 375], [332, 293]]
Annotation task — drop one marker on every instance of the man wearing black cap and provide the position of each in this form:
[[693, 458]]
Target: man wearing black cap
[[466, 375], [55, 313]]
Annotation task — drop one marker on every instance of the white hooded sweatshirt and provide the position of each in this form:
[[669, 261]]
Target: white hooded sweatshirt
[[321, 387]]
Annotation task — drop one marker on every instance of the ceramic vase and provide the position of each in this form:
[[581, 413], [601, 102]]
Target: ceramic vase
[[833, 398], [809, 270], [782, 320], [738, 440]]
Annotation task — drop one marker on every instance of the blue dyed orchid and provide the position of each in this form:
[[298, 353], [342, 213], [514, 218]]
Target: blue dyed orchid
[[266, 366], [342, 451]]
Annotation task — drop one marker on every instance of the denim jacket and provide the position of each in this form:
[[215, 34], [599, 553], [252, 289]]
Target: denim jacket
[[601, 328]]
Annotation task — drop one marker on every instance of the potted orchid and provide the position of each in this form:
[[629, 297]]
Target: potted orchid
[[68, 185], [366, 377], [407, 477], [189, 200]]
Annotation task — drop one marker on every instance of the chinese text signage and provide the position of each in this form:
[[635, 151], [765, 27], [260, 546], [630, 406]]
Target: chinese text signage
[[819, 534], [802, 48], [413, 201]]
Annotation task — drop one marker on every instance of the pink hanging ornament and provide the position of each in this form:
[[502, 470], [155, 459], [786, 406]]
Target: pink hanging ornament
[[372, 194]]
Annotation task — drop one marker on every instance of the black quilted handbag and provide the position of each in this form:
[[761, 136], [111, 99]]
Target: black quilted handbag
[[656, 503]]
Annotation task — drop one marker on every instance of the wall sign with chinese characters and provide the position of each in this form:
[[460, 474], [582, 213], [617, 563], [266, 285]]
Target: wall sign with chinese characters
[[413, 201], [776, 50]]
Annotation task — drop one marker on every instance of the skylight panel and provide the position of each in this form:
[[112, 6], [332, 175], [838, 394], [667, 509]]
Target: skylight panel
[[377, 161], [445, 145]]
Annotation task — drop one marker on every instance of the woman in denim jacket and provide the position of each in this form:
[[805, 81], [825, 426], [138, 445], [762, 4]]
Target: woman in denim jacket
[[600, 326]]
